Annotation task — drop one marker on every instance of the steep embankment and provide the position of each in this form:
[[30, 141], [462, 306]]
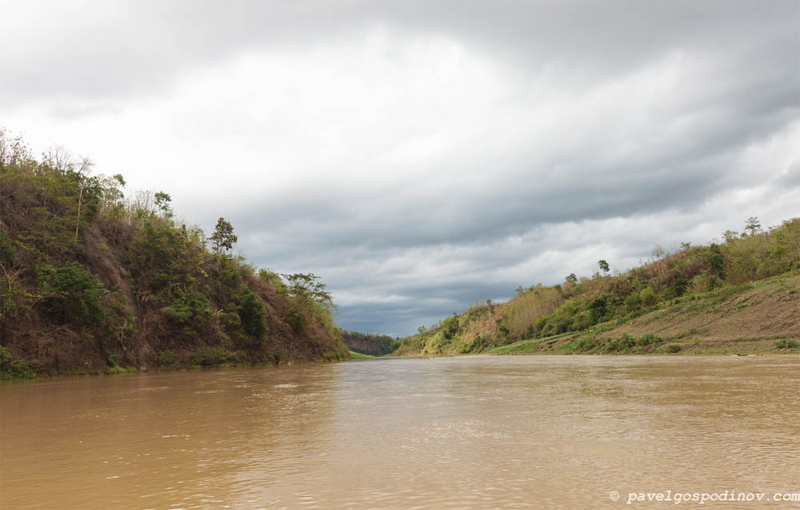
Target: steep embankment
[[740, 296], [93, 282]]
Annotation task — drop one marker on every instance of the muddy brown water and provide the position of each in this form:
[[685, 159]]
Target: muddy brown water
[[469, 432]]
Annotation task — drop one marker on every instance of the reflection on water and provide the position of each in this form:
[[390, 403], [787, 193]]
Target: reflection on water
[[470, 432]]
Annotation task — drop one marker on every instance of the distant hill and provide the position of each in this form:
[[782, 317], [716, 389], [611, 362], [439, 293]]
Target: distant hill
[[372, 344], [739, 296], [94, 281]]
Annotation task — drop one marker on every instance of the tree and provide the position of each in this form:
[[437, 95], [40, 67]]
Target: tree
[[658, 252], [223, 237], [685, 246], [752, 225], [162, 202], [598, 309], [572, 278], [449, 327], [85, 165], [305, 287], [716, 260], [680, 286], [603, 266]]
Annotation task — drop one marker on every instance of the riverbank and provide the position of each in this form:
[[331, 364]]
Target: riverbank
[[762, 317], [92, 281]]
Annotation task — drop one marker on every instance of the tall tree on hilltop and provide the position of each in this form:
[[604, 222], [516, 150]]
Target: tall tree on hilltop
[[753, 225], [223, 237]]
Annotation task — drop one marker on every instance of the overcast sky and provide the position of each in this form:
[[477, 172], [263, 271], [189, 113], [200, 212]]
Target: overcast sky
[[420, 156]]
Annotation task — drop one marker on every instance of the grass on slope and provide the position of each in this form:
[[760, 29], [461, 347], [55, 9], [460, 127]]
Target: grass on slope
[[762, 317], [528, 346], [358, 355]]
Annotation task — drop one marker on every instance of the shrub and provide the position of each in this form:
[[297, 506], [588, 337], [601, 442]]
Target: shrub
[[622, 343], [253, 314], [450, 327], [633, 302], [583, 320], [504, 331], [649, 339], [598, 309], [787, 344], [680, 286], [188, 306], [166, 357], [6, 248], [5, 356], [585, 344], [16, 369], [296, 319], [72, 293], [21, 369], [648, 296], [673, 348], [274, 279], [212, 356], [716, 260]]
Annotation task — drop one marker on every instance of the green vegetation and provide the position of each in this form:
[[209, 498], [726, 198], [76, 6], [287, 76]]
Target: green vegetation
[[213, 356], [370, 344], [750, 272], [92, 280], [11, 368], [787, 344]]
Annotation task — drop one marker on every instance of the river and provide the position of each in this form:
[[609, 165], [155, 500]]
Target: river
[[469, 432]]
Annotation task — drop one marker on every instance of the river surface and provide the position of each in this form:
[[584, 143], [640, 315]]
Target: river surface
[[470, 432]]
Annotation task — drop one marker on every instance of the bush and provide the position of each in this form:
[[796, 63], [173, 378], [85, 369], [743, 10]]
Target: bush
[[648, 296], [673, 348], [188, 306], [213, 356], [16, 369], [5, 356], [166, 357], [598, 309], [449, 327], [787, 344], [253, 314], [72, 293], [6, 248], [585, 344], [274, 279], [633, 302], [680, 286], [649, 339], [583, 320], [622, 343], [296, 319]]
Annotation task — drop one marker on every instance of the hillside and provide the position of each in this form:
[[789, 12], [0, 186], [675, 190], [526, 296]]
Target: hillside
[[740, 296], [372, 344], [94, 281]]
